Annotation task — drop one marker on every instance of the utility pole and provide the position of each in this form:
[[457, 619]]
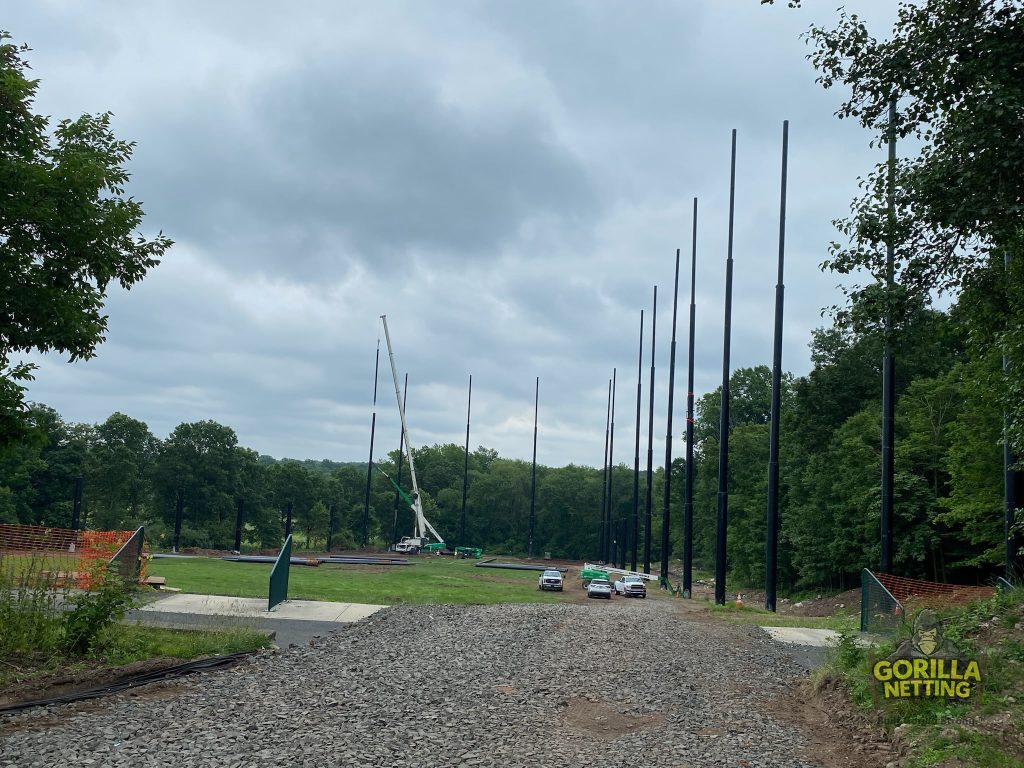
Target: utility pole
[[688, 500], [533, 474], [888, 363], [772, 534], [369, 464], [722, 526], [465, 466], [650, 442], [611, 462], [636, 455], [668, 431]]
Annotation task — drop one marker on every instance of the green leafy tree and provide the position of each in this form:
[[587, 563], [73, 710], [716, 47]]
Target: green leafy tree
[[955, 68], [39, 472], [973, 509], [568, 511], [67, 230], [347, 492], [314, 523], [121, 459], [201, 459], [502, 500], [262, 524], [749, 411], [293, 485]]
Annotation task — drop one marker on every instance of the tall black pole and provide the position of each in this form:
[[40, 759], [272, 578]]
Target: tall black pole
[[603, 535], [1009, 503], [401, 455], [179, 511], [888, 363], [288, 520], [330, 526], [369, 463], [239, 522], [611, 460], [533, 472], [636, 456], [668, 430], [623, 529], [76, 507], [650, 442], [688, 499], [465, 466], [772, 534], [1011, 483], [723, 440]]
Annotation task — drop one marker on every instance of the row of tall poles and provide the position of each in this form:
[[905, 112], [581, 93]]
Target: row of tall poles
[[621, 535], [465, 465], [722, 520]]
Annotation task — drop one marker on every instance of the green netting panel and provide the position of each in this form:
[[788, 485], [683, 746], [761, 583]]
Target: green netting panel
[[1003, 585], [880, 612], [128, 559], [279, 575]]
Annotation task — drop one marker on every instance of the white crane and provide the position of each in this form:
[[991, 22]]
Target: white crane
[[420, 538]]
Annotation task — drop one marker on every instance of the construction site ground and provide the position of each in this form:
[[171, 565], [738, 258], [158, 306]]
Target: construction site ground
[[831, 730]]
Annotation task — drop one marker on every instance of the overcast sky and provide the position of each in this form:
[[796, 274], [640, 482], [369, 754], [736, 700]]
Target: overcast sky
[[506, 181]]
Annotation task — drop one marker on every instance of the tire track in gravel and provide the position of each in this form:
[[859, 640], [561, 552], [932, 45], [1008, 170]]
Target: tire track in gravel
[[506, 685]]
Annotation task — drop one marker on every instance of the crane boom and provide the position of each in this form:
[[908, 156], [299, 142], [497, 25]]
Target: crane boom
[[422, 524]]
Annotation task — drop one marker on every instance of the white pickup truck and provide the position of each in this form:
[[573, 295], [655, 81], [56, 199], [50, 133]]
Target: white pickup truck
[[550, 579], [631, 586]]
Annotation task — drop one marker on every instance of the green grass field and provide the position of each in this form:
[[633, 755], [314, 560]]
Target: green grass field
[[427, 580]]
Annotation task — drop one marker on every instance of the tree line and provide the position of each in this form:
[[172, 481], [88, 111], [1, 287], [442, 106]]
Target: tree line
[[948, 481]]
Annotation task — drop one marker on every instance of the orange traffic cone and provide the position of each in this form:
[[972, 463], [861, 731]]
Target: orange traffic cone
[[739, 600]]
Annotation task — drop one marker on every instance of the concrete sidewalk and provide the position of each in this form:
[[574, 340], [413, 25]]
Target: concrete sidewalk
[[293, 622], [816, 638], [256, 608]]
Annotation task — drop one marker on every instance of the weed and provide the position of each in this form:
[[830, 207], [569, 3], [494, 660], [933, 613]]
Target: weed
[[96, 610], [122, 644], [29, 606]]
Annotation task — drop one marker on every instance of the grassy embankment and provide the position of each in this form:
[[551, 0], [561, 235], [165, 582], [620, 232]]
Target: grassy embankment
[[987, 732], [48, 627]]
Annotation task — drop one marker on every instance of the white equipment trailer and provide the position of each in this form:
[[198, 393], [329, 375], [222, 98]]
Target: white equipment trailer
[[423, 529]]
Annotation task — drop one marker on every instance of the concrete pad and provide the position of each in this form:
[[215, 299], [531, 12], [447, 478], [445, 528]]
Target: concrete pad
[[256, 608], [818, 638]]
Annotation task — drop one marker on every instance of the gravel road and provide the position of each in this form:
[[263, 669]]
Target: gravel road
[[630, 683]]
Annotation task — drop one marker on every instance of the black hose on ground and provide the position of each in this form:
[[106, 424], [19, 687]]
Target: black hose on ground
[[178, 670]]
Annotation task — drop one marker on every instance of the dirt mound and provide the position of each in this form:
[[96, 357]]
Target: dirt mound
[[838, 735]]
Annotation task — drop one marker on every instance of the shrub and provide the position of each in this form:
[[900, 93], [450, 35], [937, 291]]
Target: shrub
[[95, 610]]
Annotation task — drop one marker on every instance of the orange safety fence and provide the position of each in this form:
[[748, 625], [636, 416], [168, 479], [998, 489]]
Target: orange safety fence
[[70, 556], [930, 593]]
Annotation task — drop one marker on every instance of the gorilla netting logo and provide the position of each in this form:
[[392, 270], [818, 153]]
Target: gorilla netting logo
[[927, 665]]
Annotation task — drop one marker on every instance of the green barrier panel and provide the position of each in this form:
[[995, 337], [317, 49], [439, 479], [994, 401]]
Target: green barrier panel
[[128, 559], [1003, 585], [279, 575], [676, 591], [880, 612]]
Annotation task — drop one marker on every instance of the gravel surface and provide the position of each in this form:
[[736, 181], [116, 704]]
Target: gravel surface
[[627, 683]]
